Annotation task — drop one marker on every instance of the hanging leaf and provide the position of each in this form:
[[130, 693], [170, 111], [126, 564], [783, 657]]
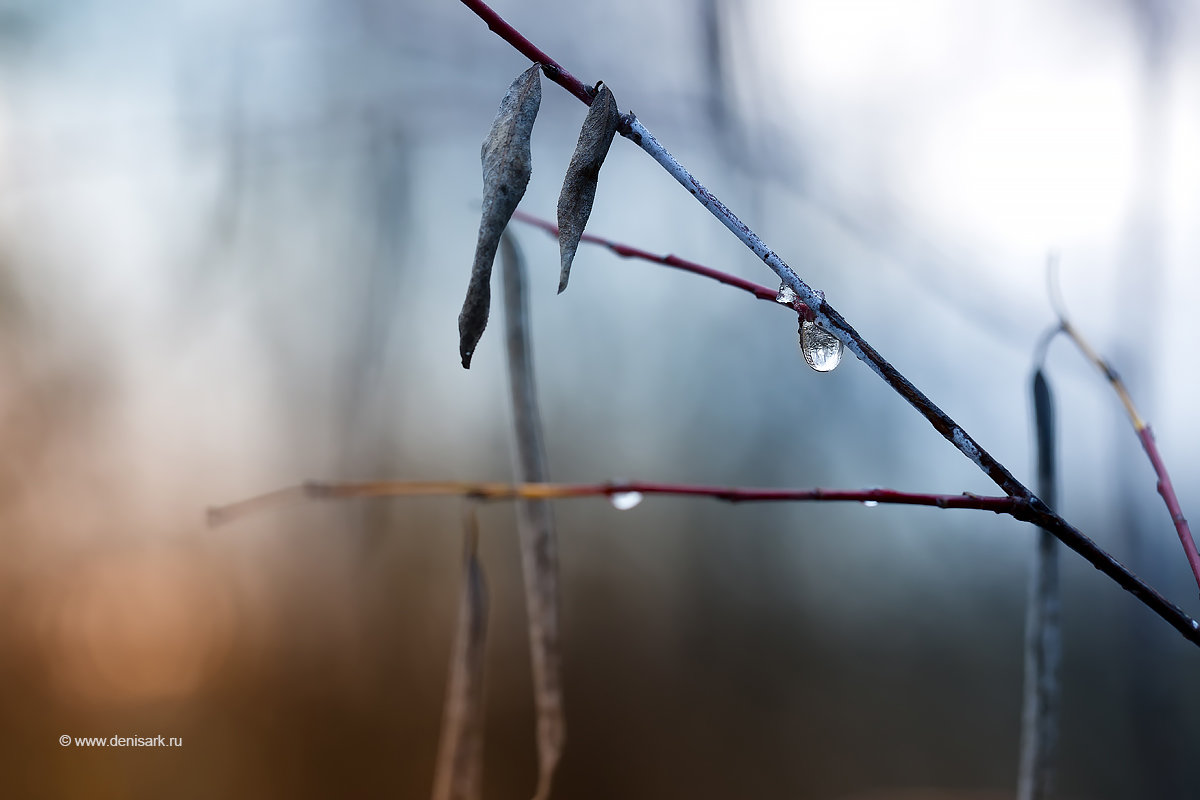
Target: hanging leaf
[[579, 186], [506, 171]]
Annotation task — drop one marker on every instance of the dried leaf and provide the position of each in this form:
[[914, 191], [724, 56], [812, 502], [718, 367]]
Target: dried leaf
[[460, 752], [506, 171], [535, 525], [579, 185]]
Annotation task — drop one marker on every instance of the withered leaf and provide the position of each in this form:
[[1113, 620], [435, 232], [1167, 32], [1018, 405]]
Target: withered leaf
[[535, 524], [579, 185], [506, 170], [459, 771]]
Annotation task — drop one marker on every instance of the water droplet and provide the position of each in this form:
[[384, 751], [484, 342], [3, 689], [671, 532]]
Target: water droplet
[[786, 296], [822, 350], [870, 503], [623, 501]]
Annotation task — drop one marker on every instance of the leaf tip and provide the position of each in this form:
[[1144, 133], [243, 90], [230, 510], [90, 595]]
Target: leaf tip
[[472, 321]]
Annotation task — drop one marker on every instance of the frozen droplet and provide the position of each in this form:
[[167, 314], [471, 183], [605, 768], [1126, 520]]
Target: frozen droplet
[[623, 501], [822, 350], [786, 296], [870, 503]]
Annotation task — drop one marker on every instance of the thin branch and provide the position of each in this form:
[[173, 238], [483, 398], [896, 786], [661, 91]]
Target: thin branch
[[626, 251], [550, 68], [1027, 510], [220, 515], [1167, 490], [535, 524], [558, 491], [1140, 426], [1064, 325], [829, 319]]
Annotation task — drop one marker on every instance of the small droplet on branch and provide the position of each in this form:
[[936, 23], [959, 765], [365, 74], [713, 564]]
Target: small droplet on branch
[[623, 501], [822, 350], [786, 296]]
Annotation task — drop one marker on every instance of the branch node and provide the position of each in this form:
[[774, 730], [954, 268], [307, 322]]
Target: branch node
[[625, 128], [1036, 505]]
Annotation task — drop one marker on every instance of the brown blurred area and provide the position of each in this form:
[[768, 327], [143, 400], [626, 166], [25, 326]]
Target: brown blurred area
[[233, 242]]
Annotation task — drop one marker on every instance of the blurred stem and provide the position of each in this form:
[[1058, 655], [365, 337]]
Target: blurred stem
[[459, 771], [535, 523], [1043, 630]]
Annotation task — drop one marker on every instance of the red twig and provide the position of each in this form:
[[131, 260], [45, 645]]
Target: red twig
[[626, 251], [1014, 506], [1167, 490], [1140, 426], [550, 68], [998, 505]]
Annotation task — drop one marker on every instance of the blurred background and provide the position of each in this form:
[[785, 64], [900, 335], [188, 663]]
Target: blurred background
[[234, 240]]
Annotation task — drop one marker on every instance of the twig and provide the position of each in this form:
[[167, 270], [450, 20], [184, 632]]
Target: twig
[[1167, 490], [219, 515], [556, 491], [626, 251], [550, 68], [459, 772], [1027, 510], [535, 525], [828, 318], [1140, 426]]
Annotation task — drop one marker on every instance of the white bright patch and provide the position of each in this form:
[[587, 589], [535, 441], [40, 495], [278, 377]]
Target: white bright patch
[[1009, 125], [623, 501], [847, 45], [1032, 160], [966, 445]]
